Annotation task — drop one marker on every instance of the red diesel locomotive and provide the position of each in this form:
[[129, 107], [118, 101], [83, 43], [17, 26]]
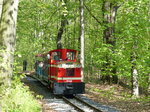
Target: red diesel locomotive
[[61, 70]]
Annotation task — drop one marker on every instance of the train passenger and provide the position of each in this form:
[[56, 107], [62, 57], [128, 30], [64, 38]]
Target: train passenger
[[36, 66], [56, 57], [40, 68], [24, 65]]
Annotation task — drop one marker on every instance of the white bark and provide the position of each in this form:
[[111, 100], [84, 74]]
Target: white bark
[[135, 83], [1, 3], [134, 71], [7, 38], [148, 89], [82, 36], [148, 36]]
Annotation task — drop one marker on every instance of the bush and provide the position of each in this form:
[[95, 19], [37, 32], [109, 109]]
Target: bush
[[18, 98]]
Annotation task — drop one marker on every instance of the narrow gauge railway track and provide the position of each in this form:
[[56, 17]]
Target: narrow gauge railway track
[[76, 102], [81, 105], [35, 77]]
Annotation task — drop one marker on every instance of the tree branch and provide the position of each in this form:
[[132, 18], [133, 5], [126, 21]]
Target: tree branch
[[92, 14]]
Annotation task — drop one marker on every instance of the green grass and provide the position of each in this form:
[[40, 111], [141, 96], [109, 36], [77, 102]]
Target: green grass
[[18, 98]]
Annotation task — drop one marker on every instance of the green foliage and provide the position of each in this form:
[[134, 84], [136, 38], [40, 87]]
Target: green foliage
[[105, 93], [143, 99], [131, 27], [38, 24], [18, 99], [39, 21]]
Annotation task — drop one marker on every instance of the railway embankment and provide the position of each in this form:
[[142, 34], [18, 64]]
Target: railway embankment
[[110, 98]]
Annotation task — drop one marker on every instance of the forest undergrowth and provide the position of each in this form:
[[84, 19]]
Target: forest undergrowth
[[18, 98], [117, 96]]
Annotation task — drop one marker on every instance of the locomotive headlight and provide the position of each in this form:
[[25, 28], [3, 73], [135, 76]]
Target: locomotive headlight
[[70, 65], [78, 65], [60, 65]]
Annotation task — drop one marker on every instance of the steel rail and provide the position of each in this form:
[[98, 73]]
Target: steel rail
[[70, 103], [89, 105], [75, 97], [35, 77]]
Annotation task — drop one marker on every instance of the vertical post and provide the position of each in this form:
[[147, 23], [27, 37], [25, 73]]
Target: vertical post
[[82, 36]]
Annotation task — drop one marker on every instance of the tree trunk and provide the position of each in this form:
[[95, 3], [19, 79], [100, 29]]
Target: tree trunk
[[62, 26], [134, 72], [7, 39], [1, 4], [60, 33], [148, 89], [109, 19], [135, 85], [82, 37]]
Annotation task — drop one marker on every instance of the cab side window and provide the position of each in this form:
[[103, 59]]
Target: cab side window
[[70, 55], [56, 55]]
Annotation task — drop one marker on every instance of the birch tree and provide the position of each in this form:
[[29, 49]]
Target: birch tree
[[109, 19], [1, 2], [134, 56], [148, 90], [134, 72], [82, 35], [7, 39]]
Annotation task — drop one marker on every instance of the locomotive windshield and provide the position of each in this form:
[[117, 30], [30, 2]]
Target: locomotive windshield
[[56, 55], [70, 55]]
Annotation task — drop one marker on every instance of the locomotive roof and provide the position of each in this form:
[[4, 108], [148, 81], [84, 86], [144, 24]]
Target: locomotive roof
[[62, 50], [44, 54]]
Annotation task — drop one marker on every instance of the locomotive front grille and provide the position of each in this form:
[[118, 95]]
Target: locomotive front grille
[[69, 71]]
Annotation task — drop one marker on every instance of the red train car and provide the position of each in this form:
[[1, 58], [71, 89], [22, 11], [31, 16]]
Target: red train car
[[61, 70]]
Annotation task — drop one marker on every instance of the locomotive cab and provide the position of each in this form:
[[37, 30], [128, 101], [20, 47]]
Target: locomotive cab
[[65, 72]]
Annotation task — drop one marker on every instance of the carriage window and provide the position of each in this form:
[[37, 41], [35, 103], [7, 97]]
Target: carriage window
[[70, 55], [56, 55]]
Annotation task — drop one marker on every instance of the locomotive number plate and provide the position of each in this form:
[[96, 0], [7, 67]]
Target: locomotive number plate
[[68, 66], [69, 80]]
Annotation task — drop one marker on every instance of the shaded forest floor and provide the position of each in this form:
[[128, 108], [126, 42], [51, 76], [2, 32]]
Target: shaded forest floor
[[112, 95], [118, 97]]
